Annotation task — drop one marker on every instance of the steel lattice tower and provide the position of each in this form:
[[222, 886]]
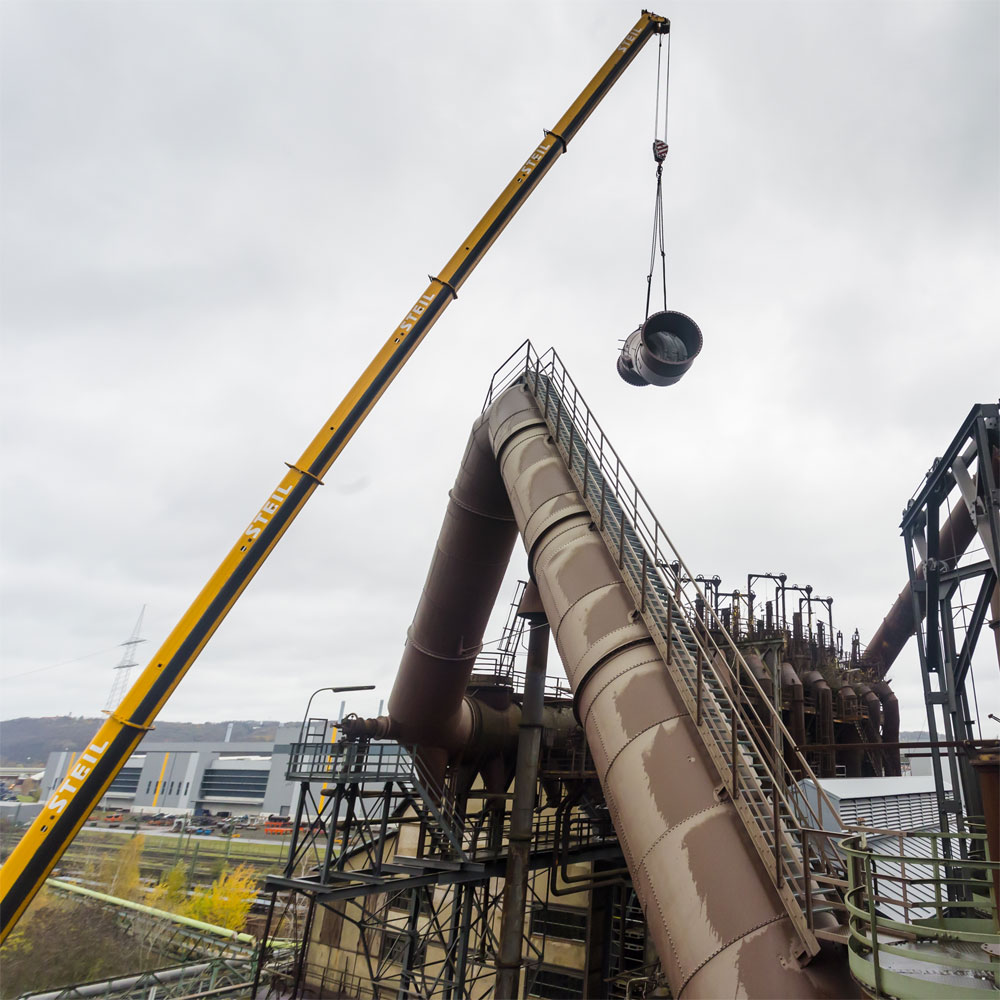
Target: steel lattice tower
[[123, 670]]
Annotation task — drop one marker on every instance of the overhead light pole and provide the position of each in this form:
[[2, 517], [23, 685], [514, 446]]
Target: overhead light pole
[[335, 690]]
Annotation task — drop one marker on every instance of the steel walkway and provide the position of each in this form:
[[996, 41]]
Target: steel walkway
[[744, 736]]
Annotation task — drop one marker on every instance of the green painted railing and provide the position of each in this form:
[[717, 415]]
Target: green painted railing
[[922, 914]]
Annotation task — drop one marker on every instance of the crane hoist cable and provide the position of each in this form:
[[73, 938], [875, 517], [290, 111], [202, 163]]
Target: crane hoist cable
[[660, 149], [662, 348]]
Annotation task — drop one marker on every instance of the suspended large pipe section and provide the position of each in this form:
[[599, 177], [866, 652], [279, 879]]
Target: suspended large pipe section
[[683, 842], [661, 350]]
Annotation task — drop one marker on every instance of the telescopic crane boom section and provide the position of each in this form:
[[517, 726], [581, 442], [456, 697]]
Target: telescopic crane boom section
[[72, 802]]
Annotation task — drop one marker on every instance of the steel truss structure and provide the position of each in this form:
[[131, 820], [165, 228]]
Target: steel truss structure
[[939, 577], [426, 925]]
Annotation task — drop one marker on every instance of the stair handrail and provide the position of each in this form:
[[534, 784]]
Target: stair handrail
[[640, 512], [791, 874], [513, 370], [524, 363], [347, 761]]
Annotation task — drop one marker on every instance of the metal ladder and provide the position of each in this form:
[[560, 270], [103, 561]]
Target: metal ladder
[[745, 738]]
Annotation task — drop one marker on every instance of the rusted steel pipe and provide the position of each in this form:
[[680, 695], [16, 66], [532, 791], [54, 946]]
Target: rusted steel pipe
[[428, 704], [794, 704], [823, 697], [872, 723], [658, 781], [515, 892], [899, 624], [890, 727]]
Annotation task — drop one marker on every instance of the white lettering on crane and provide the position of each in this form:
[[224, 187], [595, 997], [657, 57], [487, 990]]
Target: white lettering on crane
[[57, 803], [415, 313], [629, 39], [264, 515], [536, 157]]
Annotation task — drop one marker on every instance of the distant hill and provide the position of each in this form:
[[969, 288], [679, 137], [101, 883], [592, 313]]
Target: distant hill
[[30, 741]]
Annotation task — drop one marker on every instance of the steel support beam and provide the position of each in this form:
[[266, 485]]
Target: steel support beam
[[508, 962]]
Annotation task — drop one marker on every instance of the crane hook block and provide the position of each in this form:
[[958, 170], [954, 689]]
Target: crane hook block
[[661, 350], [660, 149]]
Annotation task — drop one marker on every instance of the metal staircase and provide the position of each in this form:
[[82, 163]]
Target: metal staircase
[[744, 736], [626, 944], [381, 764]]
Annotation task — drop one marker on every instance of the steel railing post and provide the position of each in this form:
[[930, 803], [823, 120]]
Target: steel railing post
[[734, 724], [807, 877], [873, 926], [670, 631], [700, 681], [777, 843]]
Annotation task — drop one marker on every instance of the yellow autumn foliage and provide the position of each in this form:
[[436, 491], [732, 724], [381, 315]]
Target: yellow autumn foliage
[[226, 903]]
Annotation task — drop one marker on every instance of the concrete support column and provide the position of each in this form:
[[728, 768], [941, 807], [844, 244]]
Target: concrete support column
[[525, 777]]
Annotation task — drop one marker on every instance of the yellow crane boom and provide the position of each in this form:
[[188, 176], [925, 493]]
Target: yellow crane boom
[[72, 802]]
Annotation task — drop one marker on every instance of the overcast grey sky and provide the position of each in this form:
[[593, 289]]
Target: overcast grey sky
[[213, 214]]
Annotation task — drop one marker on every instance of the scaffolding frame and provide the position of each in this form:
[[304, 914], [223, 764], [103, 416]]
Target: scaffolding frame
[[947, 636]]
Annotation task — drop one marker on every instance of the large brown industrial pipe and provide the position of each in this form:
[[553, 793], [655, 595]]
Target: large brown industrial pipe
[[890, 728], [899, 624], [716, 920], [428, 704]]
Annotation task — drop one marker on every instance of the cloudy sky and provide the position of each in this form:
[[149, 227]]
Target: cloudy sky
[[213, 214]]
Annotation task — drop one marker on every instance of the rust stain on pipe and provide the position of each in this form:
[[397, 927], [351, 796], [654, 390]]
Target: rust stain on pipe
[[683, 843]]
